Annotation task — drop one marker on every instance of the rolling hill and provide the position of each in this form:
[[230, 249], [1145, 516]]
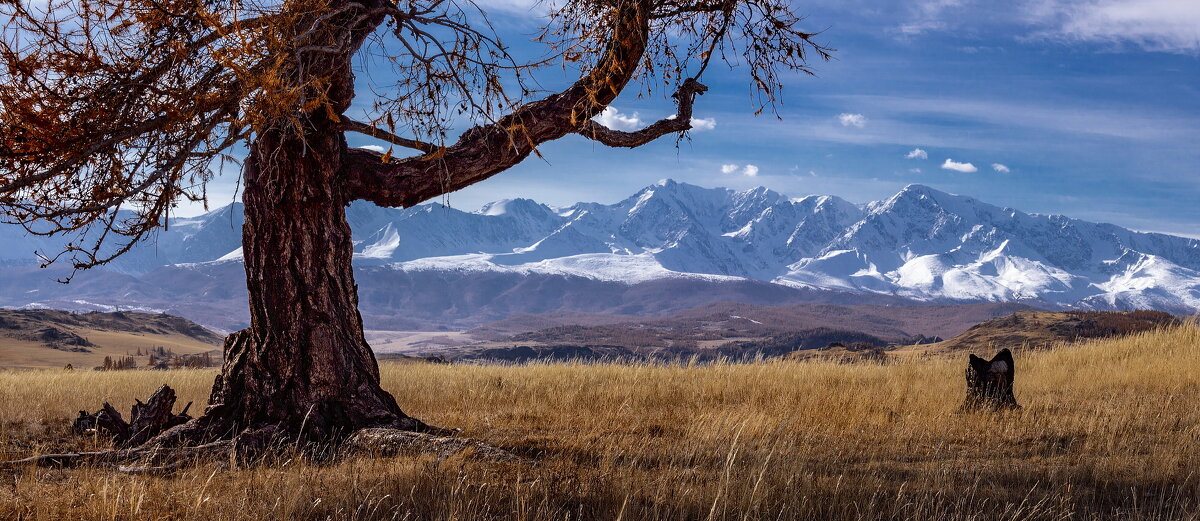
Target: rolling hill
[[1035, 329], [32, 339], [721, 330]]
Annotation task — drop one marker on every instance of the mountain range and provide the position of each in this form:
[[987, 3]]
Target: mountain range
[[667, 247]]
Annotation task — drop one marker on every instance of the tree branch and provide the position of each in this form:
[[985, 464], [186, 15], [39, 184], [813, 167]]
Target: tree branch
[[680, 122], [363, 128], [487, 150]]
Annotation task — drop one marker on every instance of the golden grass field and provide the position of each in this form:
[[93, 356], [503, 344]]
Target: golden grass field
[[27, 354], [1109, 430]]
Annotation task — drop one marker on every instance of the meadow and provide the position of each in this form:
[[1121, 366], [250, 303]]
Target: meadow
[[1109, 429]]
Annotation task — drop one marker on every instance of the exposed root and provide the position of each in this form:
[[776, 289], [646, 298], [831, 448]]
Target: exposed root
[[391, 442], [73, 459], [136, 470], [156, 459], [159, 442], [145, 456], [147, 420]]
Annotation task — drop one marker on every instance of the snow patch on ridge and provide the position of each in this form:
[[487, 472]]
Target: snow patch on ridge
[[920, 243], [629, 269]]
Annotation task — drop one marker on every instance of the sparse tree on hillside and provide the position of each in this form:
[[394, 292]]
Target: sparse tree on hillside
[[114, 111]]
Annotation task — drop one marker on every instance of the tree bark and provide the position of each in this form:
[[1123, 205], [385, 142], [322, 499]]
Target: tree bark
[[303, 368], [304, 364]]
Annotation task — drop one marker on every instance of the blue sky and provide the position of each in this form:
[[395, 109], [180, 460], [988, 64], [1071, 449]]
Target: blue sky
[[1086, 108]]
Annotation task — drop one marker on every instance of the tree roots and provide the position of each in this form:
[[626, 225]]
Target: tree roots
[[392, 442], [158, 442]]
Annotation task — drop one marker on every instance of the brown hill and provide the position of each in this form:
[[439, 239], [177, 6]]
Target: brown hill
[[843, 353], [892, 323], [721, 330], [1033, 329], [44, 338]]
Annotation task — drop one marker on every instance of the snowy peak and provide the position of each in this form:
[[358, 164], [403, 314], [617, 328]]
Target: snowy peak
[[920, 243], [516, 207]]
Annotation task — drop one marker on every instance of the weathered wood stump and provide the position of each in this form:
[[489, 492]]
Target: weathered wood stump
[[147, 420], [990, 383]]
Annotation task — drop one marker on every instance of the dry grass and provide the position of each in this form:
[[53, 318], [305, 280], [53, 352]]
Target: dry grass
[[18, 353], [1110, 429]]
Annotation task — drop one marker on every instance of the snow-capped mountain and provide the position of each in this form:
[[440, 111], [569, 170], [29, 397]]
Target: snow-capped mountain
[[666, 230], [920, 244], [927, 244]]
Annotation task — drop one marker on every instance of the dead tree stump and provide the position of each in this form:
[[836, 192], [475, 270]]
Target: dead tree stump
[[147, 420], [990, 383]]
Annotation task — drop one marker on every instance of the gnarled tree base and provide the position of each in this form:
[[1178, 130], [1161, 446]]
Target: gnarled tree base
[[161, 442], [319, 386]]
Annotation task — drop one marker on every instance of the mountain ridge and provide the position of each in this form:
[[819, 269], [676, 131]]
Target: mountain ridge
[[921, 244]]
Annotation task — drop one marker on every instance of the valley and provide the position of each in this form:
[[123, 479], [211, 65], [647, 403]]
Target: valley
[[50, 339]]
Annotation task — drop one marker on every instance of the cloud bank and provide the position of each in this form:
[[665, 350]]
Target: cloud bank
[[1154, 25]]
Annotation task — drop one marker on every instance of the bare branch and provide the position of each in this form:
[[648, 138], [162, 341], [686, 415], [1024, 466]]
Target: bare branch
[[486, 150], [680, 122], [363, 128]]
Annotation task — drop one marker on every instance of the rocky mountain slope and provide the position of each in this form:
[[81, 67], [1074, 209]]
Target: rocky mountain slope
[[432, 265]]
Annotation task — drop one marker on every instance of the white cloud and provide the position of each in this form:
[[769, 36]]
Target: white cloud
[[917, 153], [1155, 25], [965, 168], [852, 120], [701, 124], [614, 119], [1000, 168], [374, 148], [748, 170], [927, 15], [1114, 120], [914, 170]]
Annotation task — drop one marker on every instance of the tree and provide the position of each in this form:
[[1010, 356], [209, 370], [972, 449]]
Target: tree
[[114, 111]]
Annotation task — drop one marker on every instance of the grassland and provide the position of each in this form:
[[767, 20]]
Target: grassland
[[1109, 430], [23, 354], [23, 346]]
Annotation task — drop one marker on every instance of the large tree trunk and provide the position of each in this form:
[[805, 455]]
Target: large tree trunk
[[303, 365], [303, 368]]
